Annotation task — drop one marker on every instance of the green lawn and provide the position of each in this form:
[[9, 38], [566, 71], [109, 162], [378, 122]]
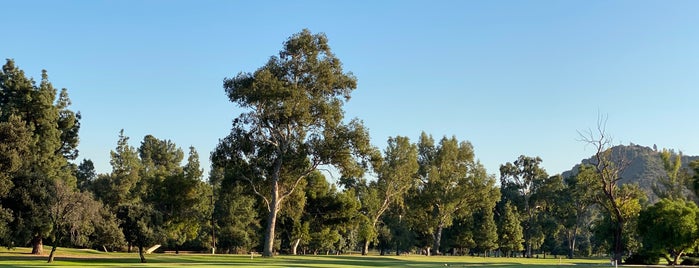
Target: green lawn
[[89, 258]]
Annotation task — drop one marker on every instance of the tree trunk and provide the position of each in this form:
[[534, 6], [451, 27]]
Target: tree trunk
[[438, 239], [140, 254], [295, 246], [365, 249], [677, 258], [618, 243], [53, 250], [275, 206], [37, 245]]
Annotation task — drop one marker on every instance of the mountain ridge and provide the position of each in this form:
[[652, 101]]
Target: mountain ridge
[[645, 167]]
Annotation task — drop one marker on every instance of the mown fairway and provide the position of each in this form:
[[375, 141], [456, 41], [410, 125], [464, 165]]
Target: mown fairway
[[89, 258]]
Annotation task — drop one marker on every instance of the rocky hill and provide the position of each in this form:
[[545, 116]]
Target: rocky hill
[[644, 167]]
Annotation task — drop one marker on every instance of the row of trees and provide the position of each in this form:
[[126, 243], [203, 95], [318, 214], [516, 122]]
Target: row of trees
[[268, 187]]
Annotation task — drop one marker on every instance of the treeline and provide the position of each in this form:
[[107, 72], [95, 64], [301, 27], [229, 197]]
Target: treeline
[[295, 177]]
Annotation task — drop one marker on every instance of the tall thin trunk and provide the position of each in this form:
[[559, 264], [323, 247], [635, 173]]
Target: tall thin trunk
[[438, 239], [140, 254], [295, 246], [365, 249], [527, 232], [38, 245], [572, 237], [275, 205], [53, 250]]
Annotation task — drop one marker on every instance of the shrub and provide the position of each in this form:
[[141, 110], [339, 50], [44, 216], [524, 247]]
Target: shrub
[[643, 257], [690, 261]]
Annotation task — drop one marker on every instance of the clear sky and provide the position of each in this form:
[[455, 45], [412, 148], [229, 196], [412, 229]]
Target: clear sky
[[512, 77]]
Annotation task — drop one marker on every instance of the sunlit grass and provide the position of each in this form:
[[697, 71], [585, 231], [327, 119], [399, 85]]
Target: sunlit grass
[[66, 257]]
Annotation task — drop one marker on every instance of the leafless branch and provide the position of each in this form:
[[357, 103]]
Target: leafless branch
[[254, 189]]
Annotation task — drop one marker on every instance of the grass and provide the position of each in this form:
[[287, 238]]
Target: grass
[[66, 257]]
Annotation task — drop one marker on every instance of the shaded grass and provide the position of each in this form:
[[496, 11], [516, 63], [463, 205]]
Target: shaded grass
[[90, 258]]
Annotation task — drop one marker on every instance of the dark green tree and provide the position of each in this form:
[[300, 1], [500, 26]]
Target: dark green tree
[[510, 232], [670, 227], [575, 204], [524, 176], [395, 177], [141, 225], [119, 187], [184, 202], [485, 230], [15, 141], [236, 219], [294, 123], [54, 137], [85, 174]]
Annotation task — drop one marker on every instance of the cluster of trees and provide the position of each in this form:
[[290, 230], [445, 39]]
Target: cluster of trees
[[148, 197], [268, 188]]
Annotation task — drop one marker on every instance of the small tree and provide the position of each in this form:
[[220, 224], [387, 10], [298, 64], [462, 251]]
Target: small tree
[[511, 236], [486, 231], [141, 225], [71, 213]]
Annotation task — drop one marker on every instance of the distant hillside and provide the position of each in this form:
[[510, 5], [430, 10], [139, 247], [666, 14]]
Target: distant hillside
[[645, 167]]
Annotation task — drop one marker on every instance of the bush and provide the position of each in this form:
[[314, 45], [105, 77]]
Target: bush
[[643, 257], [690, 261]]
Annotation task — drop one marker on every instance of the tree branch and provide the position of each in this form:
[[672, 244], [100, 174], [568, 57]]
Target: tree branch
[[254, 189]]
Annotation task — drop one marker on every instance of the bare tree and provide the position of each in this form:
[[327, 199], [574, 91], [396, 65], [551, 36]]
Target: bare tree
[[619, 202]]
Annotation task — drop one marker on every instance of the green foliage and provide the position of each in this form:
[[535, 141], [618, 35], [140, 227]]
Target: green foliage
[[15, 141], [236, 219], [119, 187], [72, 214], [521, 180], [34, 155], [510, 234], [673, 184], [85, 174], [670, 227], [575, 205], [293, 124], [396, 174], [452, 184], [142, 225], [486, 231]]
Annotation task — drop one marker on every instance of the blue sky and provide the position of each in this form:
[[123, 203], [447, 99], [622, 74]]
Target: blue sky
[[512, 77]]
